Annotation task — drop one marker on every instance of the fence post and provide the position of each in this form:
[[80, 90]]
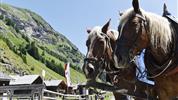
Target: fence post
[[11, 94]]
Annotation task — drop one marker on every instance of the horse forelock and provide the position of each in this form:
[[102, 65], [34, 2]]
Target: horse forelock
[[159, 28], [125, 17], [97, 30]]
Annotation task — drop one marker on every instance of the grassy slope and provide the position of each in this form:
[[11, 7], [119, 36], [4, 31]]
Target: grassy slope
[[31, 62], [32, 66]]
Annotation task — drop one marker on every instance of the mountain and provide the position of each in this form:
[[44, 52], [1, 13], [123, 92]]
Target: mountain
[[28, 45]]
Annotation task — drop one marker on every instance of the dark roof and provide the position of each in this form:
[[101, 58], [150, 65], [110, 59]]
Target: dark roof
[[5, 77]]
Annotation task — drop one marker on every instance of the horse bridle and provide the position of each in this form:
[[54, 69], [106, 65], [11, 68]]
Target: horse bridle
[[143, 24], [104, 64], [102, 61], [133, 59]]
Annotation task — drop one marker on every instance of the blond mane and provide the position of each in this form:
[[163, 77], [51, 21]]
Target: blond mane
[[95, 32], [159, 28]]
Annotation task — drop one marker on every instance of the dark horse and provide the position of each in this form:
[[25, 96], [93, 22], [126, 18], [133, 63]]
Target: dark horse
[[144, 30], [101, 43]]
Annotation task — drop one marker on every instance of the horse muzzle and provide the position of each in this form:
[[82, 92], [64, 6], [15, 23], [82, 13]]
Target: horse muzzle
[[89, 70]]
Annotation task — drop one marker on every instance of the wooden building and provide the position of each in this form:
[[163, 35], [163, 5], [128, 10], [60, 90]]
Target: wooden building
[[4, 79], [56, 85], [27, 86], [26, 80]]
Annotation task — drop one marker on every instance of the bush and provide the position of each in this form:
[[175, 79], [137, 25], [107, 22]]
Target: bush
[[9, 22], [55, 67], [32, 68], [32, 49], [1, 17]]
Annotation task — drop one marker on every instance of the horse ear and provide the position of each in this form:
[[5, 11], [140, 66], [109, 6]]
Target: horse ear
[[105, 27], [135, 5], [165, 10], [120, 13], [88, 30]]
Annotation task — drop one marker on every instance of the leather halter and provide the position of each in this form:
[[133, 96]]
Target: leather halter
[[101, 62], [104, 64], [143, 24], [165, 65]]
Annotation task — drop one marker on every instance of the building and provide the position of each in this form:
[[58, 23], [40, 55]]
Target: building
[[4, 79], [56, 85], [26, 80], [27, 86]]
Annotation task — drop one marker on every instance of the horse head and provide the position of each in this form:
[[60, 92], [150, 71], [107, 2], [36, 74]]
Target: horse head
[[133, 38], [100, 44], [141, 30]]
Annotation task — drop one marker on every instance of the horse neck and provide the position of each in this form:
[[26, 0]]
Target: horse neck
[[159, 55], [110, 59], [132, 72]]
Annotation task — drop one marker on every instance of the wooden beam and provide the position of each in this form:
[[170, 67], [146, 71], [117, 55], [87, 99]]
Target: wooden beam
[[22, 87]]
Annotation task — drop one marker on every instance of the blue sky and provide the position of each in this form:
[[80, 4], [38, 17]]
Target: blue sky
[[72, 17]]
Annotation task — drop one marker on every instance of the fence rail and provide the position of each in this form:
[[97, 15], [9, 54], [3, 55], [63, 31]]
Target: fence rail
[[66, 96], [37, 92]]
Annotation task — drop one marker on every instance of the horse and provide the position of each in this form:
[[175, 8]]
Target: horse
[[157, 35], [95, 34], [101, 43]]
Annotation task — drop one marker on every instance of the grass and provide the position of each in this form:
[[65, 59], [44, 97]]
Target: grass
[[31, 62], [9, 33], [16, 12], [37, 66], [109, 96], [33, 66], [76, 77]]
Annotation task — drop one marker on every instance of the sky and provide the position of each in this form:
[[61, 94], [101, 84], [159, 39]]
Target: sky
[[73, 17]]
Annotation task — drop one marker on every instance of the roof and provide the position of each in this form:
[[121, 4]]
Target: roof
[[4, 77], [53, 82], [25, 80]]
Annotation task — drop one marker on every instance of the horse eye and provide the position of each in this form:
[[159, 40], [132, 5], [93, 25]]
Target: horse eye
[[134, 23], [102, 34]]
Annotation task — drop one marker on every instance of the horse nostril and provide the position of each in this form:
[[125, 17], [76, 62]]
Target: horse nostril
[[90, 68]]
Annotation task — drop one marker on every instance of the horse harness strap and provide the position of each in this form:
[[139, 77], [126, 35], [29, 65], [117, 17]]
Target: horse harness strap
[[102, 61], [143, 24], [169, 64], [108, 65], [164, 67], [174, 22]]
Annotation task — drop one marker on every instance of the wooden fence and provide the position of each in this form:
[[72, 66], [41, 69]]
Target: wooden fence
[[55, 96], [37, 92]]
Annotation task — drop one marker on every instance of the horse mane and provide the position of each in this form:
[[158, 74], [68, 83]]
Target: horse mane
[[115, 33], [160, 30]]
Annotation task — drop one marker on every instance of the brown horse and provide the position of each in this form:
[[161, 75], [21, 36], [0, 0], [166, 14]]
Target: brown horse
[[101, 43], [144, 30], [99, 35]]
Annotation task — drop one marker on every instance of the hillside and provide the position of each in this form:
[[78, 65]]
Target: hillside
[[28, 44]]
